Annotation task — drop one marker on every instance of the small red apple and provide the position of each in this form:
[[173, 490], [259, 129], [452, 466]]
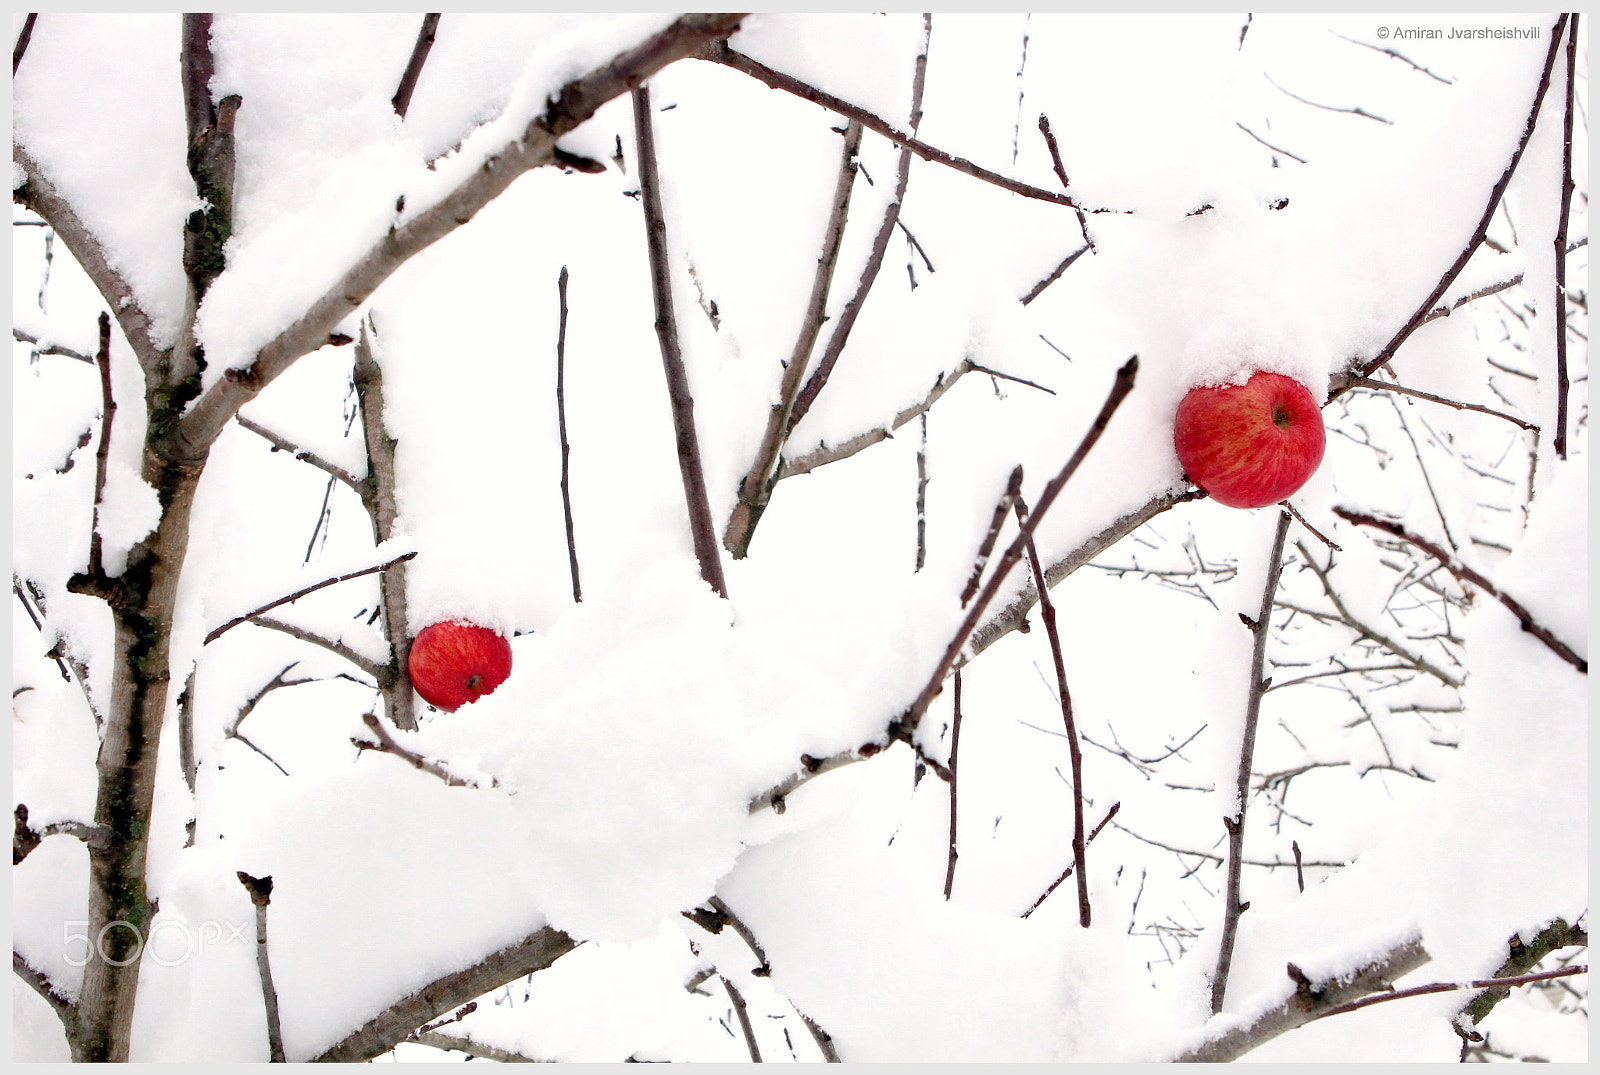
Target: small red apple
[[1251, 444], [454, 662]]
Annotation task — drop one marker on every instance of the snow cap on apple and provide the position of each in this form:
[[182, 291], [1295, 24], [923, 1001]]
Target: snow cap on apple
[[454, 662], [1249, 445]]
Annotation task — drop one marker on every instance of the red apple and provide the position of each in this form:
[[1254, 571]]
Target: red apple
[[454, 662], [1251, 444]]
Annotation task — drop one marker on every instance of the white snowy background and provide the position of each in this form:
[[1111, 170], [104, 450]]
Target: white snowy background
[[637, 726]]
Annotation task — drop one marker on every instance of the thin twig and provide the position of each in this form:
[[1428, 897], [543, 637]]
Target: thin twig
[[756, 486], [1348, 618], [1269, 145], [701, 527], [419, 56], [22, 41], [1495, 194], [743, 1016], [1450, 987], [823, 1039], [1047, 613], [1368, 382], [905, 727], [1055, 274], [880, 245], [1318, 534], [1328, 108], [386, 745], [49, 349], [1392, 54], [283, 444], [561, 425], [332, 645], [1559, 442], [1013, 378], [1232, 905], [824, 454], [108, 411], [313, 588], [260, 889], [1068, 871], [1061, 174], [955, 748], [1299, 871], [985, 548], [719, 52], [1467, 574], [922, 494]]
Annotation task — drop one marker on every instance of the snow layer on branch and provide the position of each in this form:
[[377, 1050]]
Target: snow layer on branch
[[97, 105]]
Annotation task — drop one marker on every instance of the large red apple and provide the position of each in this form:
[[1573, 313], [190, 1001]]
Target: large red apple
[[1251, 444], [454, 662]]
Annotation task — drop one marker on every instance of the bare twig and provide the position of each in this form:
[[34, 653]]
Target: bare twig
[[1001, 509], [1013, 615], [1450, 987], [49, 349], [23, 38], [955, 748], [1269, 145], [1299, 871], [108, 412], [1367, 368], [694, 483], [922, 493], [756, 486], [1348, 618], [381, 1033], [1368, 382], [1559, 442], [1068, 871], [824, 454], [1467, 574], [561, 425], [419, 56], [1047, 613], [313, 588], [260, 889], [1061, 174], [377, 671], [1232, 905], [1055, 274], [905, 727], [1392, 54], [386, 745], [823, 1039], [283, 444], [880, 244], [1328, 108], [739, 1010], [719, 52]]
